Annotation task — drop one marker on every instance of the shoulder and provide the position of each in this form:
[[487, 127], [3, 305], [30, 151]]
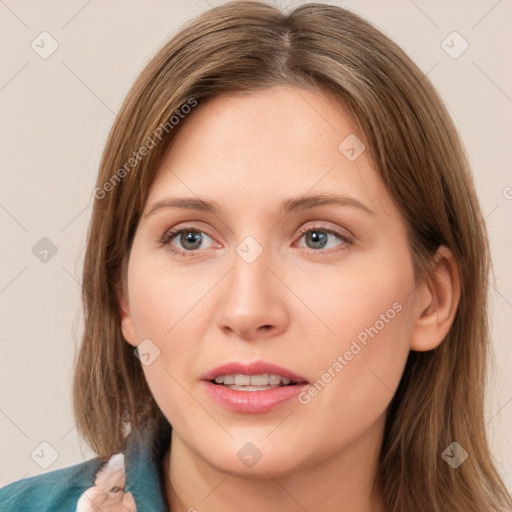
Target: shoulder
[[55, 490], [119, 482]]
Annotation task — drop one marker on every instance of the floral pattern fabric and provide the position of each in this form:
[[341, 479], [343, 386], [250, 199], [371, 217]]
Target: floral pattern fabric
[[107, 494], [128, 481]]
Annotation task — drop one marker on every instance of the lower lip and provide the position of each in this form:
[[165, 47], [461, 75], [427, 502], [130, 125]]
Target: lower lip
[[252, 402]]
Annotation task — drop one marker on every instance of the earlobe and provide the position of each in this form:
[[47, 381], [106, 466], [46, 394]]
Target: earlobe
[[438, 300], [127, 326]]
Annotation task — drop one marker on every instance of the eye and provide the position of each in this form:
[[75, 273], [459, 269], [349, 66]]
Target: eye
[[189, 237], [187, 240], [317, 238]]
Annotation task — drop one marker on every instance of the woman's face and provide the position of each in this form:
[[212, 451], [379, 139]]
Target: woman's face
[[272, 282]]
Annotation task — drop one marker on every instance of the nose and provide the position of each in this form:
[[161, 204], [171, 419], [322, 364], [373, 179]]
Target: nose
[[252, 304]]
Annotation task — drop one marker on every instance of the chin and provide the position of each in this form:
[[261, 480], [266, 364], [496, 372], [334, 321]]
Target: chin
[[254, 460]]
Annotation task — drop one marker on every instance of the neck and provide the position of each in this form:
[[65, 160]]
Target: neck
[[342, 482]]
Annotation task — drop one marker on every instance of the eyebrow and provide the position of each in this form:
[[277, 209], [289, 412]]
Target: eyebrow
[[287, 206]]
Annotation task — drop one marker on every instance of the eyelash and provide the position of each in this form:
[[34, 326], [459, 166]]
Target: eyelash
[[171, 234]]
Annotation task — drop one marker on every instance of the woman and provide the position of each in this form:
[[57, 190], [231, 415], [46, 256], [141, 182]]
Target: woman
[[285, 284]]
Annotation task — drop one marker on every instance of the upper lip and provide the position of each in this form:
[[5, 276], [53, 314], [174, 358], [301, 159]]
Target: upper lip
[[254, 368]]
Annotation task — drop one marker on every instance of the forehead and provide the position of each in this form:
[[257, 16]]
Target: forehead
[[267, 145], [276, 120]]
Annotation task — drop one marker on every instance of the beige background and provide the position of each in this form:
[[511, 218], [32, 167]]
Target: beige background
[[55, 116]]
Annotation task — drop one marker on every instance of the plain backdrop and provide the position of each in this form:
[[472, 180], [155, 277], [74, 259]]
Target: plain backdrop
[[56, 111]]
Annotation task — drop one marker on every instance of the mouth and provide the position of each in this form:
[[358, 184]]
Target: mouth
[[252, 388], [241, 382]]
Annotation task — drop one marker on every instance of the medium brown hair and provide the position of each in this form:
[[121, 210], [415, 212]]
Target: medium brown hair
[[243, 47]]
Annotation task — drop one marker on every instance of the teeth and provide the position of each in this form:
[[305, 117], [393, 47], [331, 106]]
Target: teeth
[[250, 388], [260, 380], [242, 380], [274, 379], [263, 380]]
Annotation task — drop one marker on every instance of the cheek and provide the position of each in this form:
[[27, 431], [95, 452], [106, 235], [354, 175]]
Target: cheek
[[368, 318], [162, 298], [363, 301], [165, 310]]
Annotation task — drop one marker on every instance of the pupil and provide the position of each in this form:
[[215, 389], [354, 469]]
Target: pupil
[[190, 238], [318, 238]]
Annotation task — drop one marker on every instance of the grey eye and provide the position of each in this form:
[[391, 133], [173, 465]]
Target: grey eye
[[191, 237], [317, 238]]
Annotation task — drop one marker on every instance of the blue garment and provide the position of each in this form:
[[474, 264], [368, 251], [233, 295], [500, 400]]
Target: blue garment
[[133, 475]]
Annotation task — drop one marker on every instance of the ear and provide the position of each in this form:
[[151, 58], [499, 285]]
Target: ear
[[438, 299], [127, 326]]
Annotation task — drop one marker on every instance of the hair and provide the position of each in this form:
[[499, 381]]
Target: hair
[[240, 48]]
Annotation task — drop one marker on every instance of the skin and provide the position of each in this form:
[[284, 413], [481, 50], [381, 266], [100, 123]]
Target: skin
[[298, 304]]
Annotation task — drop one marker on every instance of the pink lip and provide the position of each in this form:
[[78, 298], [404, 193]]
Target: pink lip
[[253, 402]]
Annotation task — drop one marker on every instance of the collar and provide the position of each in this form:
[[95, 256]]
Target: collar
[[132, 480], [145, 450]]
